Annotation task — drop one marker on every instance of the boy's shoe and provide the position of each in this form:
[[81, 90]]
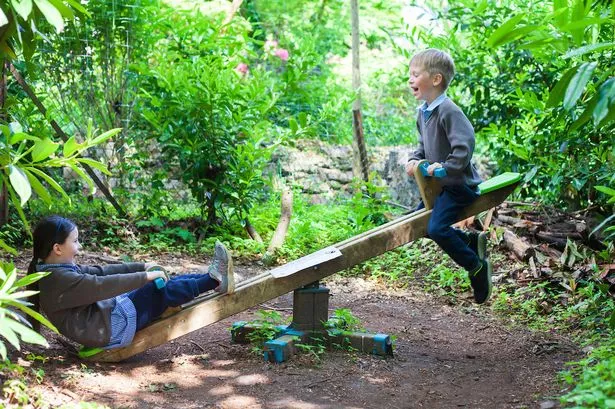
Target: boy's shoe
[[478, 244], [221, 269], [481, 282]]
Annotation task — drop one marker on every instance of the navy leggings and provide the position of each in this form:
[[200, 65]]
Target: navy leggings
[[447, 206], [150, 302]]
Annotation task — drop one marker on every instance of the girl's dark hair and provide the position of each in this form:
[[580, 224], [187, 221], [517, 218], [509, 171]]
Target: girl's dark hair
[[49, 231]]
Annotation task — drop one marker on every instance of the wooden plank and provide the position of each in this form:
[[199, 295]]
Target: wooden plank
[[308, 261], [429, 186], [264, 287]]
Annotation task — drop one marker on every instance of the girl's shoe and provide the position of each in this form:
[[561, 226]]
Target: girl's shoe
[[221, 269]]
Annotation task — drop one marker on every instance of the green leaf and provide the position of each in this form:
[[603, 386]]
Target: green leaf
[[504, 29], [65, 11], [588, 49], [77, 6], [3, 20], [52, 15], [557, 93], [20, 183], [70, 146], [43, 149], [19, 208], [49, 181], [515, 34], [20, 136], [605, 189], [104, 136], [8, 333], [605, 100], [578, 83], [95, 164], [31, 278], [586, 115], [23, 7], [83, 176], [38, 187], [27, 335], [560, 11], [37, 316], [7, 248]]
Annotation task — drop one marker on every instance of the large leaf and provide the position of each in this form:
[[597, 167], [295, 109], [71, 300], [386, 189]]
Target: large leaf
[[7, 248], [20, 183], [7, 332], [503, 30], [106, 135], [43, 149], [83, 176], [52, 15], [31, 278], [70, 146], [95, 164], [22, 7], [27, 335], [36, 315], [38, 187], [557, 93], [606, 98], [578, 83], [49, 181], [588, 49], [3, 20], [561, 12]]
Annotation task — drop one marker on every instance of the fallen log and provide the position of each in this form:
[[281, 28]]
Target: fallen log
[[521, 249]]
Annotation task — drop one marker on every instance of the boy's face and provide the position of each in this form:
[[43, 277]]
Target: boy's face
[[424, 86]]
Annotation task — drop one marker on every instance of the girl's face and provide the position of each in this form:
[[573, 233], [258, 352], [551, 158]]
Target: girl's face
[[66, 252]]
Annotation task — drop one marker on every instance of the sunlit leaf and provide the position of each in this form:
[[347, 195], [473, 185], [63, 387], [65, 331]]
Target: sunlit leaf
[[43, 149], [504, 29], [606, 99], [38, 187], [588, 49], [578, 83], [557, 93], [22, 7], [20, 183], [52, 15]]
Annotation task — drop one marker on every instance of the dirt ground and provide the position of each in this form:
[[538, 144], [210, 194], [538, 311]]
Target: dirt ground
[[444, 357]]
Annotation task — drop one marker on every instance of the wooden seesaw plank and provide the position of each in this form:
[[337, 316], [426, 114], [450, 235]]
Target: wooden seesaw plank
[[305, 262], [264, 287]]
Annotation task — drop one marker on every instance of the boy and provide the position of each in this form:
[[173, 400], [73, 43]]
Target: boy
[[446, 140]]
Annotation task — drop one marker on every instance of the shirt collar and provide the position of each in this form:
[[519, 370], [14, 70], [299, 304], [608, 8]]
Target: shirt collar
[[434, 104]]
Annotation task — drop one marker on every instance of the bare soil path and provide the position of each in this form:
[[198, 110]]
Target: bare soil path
[[445, 357]]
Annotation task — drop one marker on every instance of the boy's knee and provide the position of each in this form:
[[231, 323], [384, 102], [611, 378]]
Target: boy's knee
[[436, 232]]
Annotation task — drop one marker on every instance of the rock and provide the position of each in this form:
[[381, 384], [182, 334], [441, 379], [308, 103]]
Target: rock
[[548, 404]]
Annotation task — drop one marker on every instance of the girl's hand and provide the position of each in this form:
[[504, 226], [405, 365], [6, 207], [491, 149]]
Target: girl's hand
[[154, 274], [150, 265], [411, 167]]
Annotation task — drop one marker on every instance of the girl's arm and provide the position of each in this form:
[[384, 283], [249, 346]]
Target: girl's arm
[[110, 269], [68, 289]]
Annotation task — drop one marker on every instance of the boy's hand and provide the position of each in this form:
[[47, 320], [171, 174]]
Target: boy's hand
[[432, 167], [411, 167]]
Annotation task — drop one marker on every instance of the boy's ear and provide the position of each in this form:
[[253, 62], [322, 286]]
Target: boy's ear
[[437, 79]]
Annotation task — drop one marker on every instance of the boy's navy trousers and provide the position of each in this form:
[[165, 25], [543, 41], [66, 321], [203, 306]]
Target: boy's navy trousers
[[447, 206], [150, 302]]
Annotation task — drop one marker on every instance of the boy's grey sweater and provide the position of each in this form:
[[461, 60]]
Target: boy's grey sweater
[[448, 137], [79, 301]]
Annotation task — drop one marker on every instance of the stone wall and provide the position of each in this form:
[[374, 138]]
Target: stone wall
[[325, 171]]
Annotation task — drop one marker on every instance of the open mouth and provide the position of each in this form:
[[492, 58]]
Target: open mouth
[[415, 89]]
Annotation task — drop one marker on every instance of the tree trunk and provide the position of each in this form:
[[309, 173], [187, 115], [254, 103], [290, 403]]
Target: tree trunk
[[280, 232], [360, 161]]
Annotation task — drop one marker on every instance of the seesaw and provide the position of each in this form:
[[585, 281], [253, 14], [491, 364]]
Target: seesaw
[[304, 272]]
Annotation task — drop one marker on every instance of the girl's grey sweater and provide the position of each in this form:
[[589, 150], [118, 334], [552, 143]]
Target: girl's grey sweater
[[78, 299]]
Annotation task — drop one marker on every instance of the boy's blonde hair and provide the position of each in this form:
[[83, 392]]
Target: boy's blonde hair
[[436, 61]]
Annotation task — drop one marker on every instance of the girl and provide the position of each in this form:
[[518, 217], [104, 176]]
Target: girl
[[103, 306]]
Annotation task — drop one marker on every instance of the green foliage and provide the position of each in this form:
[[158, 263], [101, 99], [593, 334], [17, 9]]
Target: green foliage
[[13, 328], [21, 22], [26, 159], [592, 379], [531, 79], [265, 327]]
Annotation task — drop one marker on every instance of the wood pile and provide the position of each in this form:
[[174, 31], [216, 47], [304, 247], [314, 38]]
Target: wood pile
[[554, 244]]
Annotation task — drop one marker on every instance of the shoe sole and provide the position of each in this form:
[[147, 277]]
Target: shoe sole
[[489, 273], [230, 276]]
